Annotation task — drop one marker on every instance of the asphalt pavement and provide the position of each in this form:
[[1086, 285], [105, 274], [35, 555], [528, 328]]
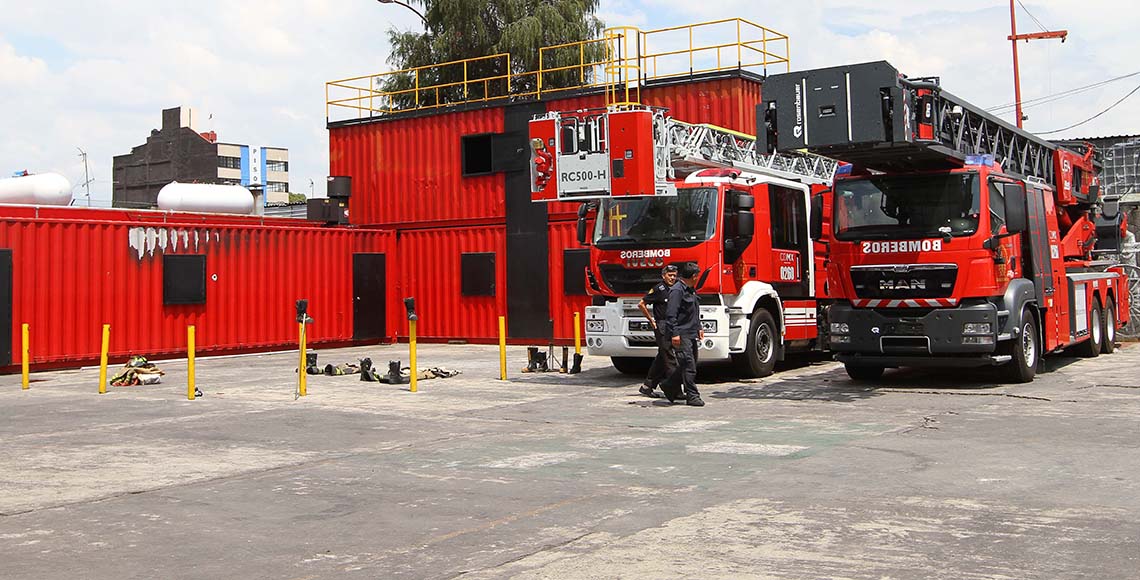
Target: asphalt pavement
[[802, 475]]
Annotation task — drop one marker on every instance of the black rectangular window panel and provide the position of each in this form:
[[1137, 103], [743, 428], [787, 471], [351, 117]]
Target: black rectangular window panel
[[477, 157], [789, 217], [574, 263], [184, 279], [277, 166], [477, 274]]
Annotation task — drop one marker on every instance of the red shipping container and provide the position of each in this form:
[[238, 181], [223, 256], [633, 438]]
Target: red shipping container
[[75, 269]]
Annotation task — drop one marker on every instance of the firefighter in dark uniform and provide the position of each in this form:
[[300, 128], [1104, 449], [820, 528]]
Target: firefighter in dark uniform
[[683, 325], [665, 361]]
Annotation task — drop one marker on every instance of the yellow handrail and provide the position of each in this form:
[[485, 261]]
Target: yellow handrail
[[620, 62]]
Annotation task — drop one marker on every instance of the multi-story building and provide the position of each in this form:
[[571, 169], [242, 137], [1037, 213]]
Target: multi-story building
[[179, 152]]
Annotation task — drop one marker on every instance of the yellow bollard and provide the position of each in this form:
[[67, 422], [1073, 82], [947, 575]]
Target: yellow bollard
[[103, 359], [302, 390], [502, 348], [577, 333], [24, 355], [190, 362], [412, 348]]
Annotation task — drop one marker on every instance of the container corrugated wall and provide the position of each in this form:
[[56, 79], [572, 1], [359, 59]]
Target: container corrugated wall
[[410, 169], [75, 270], [728, 102], [428, 269], [564, 236]]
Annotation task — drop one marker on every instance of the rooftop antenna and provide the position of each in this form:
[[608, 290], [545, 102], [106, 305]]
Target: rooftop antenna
[[87, 179]]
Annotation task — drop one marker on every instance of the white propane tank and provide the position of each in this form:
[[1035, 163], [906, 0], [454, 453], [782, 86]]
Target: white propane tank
[[38, 189], [205, 198]]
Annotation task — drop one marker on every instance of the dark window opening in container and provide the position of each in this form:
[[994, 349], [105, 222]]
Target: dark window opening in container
[[184, 279], [477, 274], [477, 158], [574, 263]]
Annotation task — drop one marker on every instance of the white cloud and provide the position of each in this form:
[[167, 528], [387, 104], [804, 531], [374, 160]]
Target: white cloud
[[97, 75]]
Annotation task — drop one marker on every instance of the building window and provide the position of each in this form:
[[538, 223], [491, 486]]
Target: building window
[[277, 166], [276, 186], [229, 162]]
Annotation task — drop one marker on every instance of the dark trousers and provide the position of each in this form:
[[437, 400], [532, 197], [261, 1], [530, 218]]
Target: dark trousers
[[685, 375], [664, 363]]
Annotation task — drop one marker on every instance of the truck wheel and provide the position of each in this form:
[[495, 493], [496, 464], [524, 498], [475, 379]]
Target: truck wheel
[[1109, 334], [759, 357], [1090, 348], [631, 365], [860, 373], [1025, 350]]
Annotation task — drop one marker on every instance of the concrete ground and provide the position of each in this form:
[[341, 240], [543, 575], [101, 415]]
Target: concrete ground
[[931, 474]]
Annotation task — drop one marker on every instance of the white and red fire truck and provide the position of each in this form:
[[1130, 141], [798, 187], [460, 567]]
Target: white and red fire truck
[[660, 192], [957, 239]]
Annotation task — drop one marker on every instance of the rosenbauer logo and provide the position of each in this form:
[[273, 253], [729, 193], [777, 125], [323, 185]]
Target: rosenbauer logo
[[625, 254], [902, 246], [798, 128]]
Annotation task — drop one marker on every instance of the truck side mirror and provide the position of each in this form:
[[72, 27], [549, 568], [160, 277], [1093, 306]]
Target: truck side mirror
[[583, 210], [815, 223], [1016, 209], [745, 224], [1094, 193]]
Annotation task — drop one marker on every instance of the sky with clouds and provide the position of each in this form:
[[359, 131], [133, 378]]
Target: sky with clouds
[[96, 75]]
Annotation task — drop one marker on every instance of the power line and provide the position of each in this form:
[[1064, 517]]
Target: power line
[[1057, 96], [1042, 26], [1110, 107]]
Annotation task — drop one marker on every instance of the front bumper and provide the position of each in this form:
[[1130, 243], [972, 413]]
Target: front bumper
[[616, 338], [894, 335]]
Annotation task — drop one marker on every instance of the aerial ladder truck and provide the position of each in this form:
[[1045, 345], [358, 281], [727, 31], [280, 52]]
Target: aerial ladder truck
[[663, 191], [956, 239]]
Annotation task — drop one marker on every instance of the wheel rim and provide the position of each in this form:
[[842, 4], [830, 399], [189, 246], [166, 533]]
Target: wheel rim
[[1094, 329], [1109, 325], [1029, 345], [764, 343]]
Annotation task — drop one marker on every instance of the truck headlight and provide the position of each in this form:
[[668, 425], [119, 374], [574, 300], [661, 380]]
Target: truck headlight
[[595, 326], [840, 328], [708, 326], [977, 328], [839, 339], [977, 340]]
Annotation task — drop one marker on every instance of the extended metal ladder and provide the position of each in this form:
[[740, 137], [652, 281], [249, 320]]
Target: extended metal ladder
[[694, 147]]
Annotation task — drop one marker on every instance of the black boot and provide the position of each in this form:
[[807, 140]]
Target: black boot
[[531, 359], [394, 376], [577, 366], [311, 367], [366, 372]]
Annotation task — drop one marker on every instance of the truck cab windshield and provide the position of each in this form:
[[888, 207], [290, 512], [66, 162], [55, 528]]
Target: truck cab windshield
[[685, 219], [907, 206]]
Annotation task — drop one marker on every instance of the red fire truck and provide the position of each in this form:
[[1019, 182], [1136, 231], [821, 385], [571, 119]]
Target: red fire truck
[[660, 192], [957, 239]]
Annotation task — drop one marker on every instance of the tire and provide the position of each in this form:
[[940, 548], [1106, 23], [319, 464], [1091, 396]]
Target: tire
[[759, 357], [1025, 350], [632, 365], [861, 373], [1108, 334], [1090, 348]]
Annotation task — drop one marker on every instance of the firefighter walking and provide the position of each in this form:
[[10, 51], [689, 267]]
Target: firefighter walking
[[683, 326], [666, 361]]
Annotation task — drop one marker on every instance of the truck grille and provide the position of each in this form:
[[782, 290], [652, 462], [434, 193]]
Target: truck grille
[[904, 281], [629, 280]]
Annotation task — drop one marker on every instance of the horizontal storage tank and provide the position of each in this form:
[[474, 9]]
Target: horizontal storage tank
[[38, 189], [205, 198]]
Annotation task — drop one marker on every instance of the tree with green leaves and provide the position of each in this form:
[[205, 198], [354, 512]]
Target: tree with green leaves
[[465, 29]]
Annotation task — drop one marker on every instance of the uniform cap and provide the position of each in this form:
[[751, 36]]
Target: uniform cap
[[669, 268]]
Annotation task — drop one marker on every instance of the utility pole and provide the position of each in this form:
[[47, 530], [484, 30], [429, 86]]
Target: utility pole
[[1014, 37], [86, 177]]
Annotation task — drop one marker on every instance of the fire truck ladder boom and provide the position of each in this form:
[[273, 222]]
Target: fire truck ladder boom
[[872, 116], [693, 147]]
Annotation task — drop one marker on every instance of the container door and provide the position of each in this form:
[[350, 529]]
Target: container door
[[368, 291], [5, 308]]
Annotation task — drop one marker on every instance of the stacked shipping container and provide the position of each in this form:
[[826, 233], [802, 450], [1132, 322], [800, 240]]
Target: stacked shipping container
[[407, 172]]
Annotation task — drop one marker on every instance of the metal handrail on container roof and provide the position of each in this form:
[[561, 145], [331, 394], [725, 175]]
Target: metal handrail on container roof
[[619, 62]]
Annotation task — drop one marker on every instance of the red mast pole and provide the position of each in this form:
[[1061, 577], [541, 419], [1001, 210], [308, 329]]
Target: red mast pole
[[1016, 73], [1013, 38]]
